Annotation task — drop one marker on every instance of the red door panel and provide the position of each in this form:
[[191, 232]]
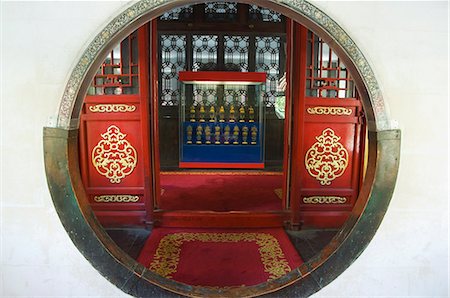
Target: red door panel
[[327, 137], [114, 142]]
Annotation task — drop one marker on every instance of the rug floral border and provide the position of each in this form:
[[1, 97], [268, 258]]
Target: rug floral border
[[167, 255]]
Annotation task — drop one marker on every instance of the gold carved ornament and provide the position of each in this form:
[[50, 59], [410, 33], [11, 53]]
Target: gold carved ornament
[[324, 200], [167, 255], [112, 108], [335, 111], [114, 157], [116, 199], [327, 158]]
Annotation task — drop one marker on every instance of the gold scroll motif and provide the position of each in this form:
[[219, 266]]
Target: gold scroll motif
[[112, 108], [335, 111], [324, 200], [167, 255], [327, 159], [114, 157], [116, 199]]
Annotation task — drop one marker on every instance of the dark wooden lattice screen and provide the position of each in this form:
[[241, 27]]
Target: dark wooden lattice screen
[[205, 57], [326, 75], [268, 60], [221, 11], [180, 13], [204, 48], [251, 51], [264, 14], [236, 50], [118, 73], [173, 60]]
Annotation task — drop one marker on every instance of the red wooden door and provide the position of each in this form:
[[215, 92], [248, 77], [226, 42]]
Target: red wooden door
[[115, 157], [328, 135]]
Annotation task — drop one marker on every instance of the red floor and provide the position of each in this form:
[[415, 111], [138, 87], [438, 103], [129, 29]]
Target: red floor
[[223, 191]]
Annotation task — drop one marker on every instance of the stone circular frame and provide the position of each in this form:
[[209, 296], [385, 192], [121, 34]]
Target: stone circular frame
[[70, 199]]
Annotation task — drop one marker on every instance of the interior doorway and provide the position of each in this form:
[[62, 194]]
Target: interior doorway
[[220, 115], [221, 103]]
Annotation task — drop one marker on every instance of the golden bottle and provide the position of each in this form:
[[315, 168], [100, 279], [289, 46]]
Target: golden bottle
[[232, 117], [212, 114], [242, 114], [202, 113], [251, 114], [192, 112], [221, 114]]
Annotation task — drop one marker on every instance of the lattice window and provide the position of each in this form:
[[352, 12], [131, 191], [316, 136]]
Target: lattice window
[[220, 11], [236, 53], [206, 94], [204, 52], [326, 75], [118, 74], [264, 14], [178, 14], [268, 60], [236, 95], [173, 60]]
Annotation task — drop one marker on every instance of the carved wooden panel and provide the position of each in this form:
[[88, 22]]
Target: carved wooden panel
[[113, 142], [330, 160], [328, 136]]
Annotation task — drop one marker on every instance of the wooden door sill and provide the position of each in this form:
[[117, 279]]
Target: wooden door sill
[[215, 219]]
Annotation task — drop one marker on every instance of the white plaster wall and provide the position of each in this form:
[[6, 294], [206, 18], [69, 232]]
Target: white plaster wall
[[406, 44]]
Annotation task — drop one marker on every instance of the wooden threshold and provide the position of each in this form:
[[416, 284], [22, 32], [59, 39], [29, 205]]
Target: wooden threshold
[[213, 219]]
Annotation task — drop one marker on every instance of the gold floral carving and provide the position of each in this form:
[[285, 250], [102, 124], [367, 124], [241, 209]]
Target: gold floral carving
[[114, 157], [112, 108], [116, 199], [334, 111], [167, 255], [324, 200], [327, 159]]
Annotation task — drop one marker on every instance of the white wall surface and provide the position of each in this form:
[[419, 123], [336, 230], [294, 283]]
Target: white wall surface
[[405, 42]]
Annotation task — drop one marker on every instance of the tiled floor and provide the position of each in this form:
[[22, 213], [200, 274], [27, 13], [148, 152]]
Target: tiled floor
[[307, 242]]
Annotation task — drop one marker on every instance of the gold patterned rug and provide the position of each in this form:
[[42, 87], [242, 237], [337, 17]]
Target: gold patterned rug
[[219, 257]]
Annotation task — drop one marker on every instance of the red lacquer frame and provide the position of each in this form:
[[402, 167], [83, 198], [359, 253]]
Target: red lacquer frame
[[153, 116], [135, 206], [326, 210], [300, 132]]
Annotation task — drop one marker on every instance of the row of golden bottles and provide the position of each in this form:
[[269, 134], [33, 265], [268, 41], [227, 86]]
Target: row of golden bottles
[[204, 135], [221, 114]]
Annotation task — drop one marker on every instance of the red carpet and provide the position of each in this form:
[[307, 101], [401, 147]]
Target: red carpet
[[222, 191], [219, 257]]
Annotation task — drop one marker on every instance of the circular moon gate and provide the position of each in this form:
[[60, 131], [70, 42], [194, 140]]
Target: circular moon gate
[[71, 203]]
